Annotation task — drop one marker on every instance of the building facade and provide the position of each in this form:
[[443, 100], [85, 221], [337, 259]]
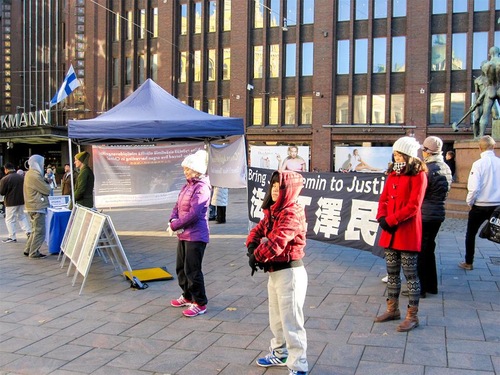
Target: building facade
[[319, 73]]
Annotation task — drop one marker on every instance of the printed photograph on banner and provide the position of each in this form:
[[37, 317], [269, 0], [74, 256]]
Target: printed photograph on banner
[[139, 175], [294, 158], [362, 159]]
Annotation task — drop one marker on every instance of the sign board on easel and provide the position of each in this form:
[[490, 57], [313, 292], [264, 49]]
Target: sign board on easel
[[88, 232]]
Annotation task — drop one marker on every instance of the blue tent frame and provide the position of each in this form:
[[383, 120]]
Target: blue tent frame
[[151, 114]]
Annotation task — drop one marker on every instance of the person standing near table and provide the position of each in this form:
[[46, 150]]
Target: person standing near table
[[483, 195], [11, 187], [36, 200], [66, 180], [399, 215], [189, 220], [84, 187]]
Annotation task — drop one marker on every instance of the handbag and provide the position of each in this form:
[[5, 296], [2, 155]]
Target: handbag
[[491, 231]]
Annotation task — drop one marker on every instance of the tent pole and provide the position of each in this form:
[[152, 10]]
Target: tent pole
[[71, 172]]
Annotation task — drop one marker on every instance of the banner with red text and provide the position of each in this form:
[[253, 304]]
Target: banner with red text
[[139, 175]]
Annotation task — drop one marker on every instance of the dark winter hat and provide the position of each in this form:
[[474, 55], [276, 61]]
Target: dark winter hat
[[83, 156]]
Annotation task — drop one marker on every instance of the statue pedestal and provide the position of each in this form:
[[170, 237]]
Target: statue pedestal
[[495, 130]]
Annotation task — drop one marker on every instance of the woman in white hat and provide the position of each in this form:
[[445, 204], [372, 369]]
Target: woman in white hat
[[399, 216], [189, 221]]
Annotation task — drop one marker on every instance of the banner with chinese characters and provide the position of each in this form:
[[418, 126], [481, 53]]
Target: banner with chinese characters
[[341, 208]]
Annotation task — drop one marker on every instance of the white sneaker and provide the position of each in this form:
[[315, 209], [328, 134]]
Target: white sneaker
[[385, 278]]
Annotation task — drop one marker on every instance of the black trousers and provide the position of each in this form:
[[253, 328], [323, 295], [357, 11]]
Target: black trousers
[[477, 216], [221, 214], [426, 265], [189, 271]]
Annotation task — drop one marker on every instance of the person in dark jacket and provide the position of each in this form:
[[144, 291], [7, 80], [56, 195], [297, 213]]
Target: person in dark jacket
[[66, 187], [433, 212], [400, 217], [190, 222], [84, 187], [277, 245], [11, 187]]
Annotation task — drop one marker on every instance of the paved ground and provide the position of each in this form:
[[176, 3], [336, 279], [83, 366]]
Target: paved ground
[[47, 328]]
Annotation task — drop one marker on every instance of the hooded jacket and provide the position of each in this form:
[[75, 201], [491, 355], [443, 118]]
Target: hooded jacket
[[190, 211], [284, 226], [36, 189]]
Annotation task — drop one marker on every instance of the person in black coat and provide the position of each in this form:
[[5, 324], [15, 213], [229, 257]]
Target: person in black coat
[[433, 212]]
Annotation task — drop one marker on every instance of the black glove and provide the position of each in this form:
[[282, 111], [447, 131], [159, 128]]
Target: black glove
[[252, 262], [251, 247], [383, 224]]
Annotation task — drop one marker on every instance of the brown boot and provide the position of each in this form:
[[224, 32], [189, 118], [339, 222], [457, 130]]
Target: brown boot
[[392, 312], [411, 320]]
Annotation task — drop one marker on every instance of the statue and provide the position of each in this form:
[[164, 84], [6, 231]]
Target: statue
[[487, 89]]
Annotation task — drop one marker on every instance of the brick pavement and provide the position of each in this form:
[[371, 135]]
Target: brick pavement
[[47, 328]]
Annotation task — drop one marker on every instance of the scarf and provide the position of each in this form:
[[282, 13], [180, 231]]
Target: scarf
[[398, 167]]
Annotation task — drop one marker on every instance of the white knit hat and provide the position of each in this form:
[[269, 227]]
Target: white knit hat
[[197, 162], [407, 145]]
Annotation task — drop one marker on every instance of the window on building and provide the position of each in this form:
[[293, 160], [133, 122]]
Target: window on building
[[459, 6], [397, 109], [274, 60], [227, 15], [130, 25], [380, 9], [481, 5], [479, 49], [290, 110], [459, 51], [197, 66], [379, 55], [116, 35], [184, 19], [257, 111], [155, 22], [439, 6], [398, 54], [211, 107], [496, 37], [344, 10], [343, 56], [141, 68], [378, 109], [291, 12], [212, 17], [307, 11], [226, 107], [497, 4], [359, 110], [361, 9], [183, 66], [116, 72], [307, 59], [438, 52], [212, 66], [306, 110], [128, 70], [257, 62], [153, 67], [437, 108], [258, 17], [399, 8], [342, 109], [197, 18], [226, 65], [457, 106], [361, 56], [274, 13], [197, 104], [273, 108], [290, 60], [142, 23]]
